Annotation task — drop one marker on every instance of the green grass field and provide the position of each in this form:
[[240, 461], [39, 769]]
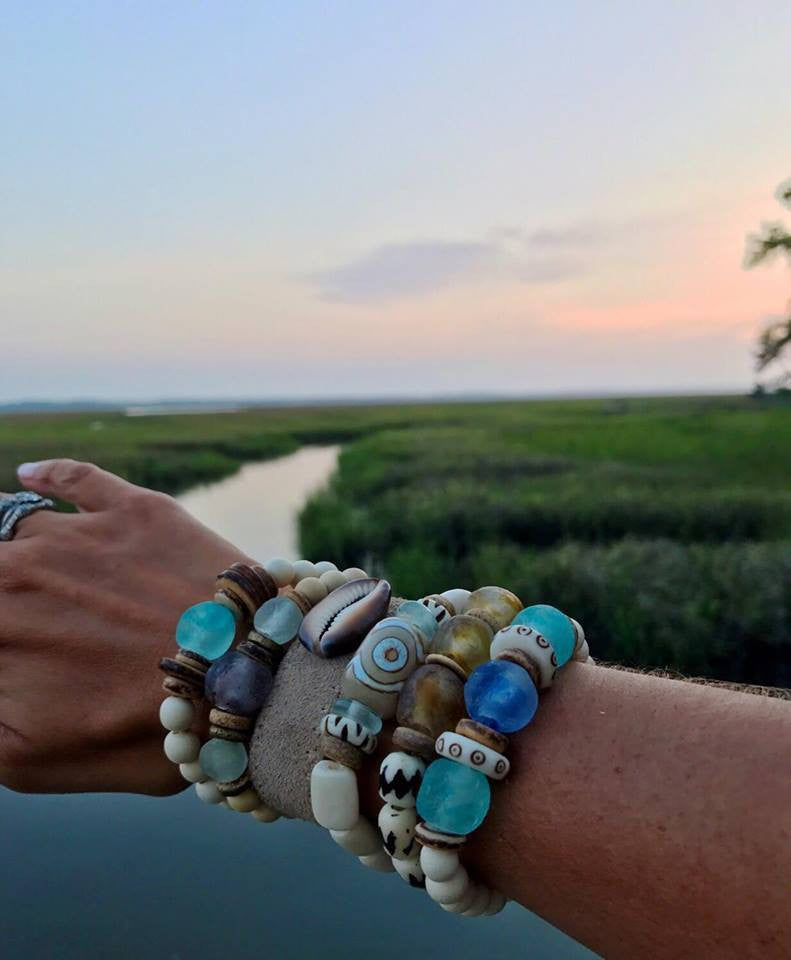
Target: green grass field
[[664, 525]]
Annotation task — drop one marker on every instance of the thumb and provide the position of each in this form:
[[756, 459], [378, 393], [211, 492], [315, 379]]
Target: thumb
[[85, 485]]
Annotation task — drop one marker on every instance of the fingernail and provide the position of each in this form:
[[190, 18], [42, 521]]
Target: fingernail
[[26, 471]]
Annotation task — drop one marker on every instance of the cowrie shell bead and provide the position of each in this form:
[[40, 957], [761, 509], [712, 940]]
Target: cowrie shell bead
[[472, 754]]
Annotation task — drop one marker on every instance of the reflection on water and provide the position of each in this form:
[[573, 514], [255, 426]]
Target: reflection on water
[[106, 876]]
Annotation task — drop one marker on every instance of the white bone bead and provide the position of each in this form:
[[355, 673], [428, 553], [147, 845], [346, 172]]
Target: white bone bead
[[537, 648], [192, 772], [333, 579], [477, 756], [397, 827], [410, 871], [378, 861], [362, 839], [182, 747], [479, 902], [448, 891], [459, 906], [400, 776], [280, 570], [439, 864], [208, 792], [265, 814], [350, 731], [324, 566], [496, 903], [312, 589], [579, 635], [333, 795], [458, 597], [304, 568], [245, 802], [355, 573], [176, 714], [582, 653]]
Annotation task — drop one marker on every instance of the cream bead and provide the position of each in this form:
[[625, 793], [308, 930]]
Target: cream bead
[[176, 714], [362, 839], [208, 792], [265, 814], [497, 901], [477, 756], [479, 902], [324, 566], [410, 871], [245, 802], [400, 776], [333, 579], [280, 570], [397, 827], [182, 747], [451, 890], [458, 598], [459, 906], [582, 653], [312, 589], [302, 569], [334, 799], [355, 573], [378, 861], [536, 648], [439, 865], [192, 772]]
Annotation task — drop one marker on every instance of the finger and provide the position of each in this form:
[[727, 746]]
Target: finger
[[84, 484]]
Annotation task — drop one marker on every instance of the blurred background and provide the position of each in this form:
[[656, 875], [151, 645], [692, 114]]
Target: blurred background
[[458, 292]]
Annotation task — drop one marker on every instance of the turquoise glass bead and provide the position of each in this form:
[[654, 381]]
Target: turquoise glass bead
[[223, 760], [279, 619], [359, 713], [453, 798], [553, 625], [502, 695], [207, 628], [415, 613]]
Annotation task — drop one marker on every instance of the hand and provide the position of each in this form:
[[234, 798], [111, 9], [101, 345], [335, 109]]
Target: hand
[[88, 604]]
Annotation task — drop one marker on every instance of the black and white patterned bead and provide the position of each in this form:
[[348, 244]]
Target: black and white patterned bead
[[472, 754], [397, 828], [400, 776], [437, 610], [349, 731]]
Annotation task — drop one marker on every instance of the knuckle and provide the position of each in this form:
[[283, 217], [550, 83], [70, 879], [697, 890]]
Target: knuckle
[[149, 504], [68, 473]]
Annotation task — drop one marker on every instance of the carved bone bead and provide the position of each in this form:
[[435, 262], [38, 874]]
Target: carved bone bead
[[400, 776], [397, 828]]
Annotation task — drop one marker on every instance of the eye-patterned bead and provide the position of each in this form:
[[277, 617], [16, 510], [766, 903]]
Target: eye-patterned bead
[[552, 624], [440, 607], [376, 673], [400, 776], [397, 829], [535, 647], [420, 617], [350, 731], [475, 755]]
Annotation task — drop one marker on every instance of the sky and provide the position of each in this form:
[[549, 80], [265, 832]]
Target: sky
[[283, 200]]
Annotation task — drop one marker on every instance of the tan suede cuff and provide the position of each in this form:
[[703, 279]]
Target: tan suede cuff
[[285, 743]]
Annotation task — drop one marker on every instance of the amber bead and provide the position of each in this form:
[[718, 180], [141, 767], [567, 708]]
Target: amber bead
[[431, 700], [499, 605], [465, 640]]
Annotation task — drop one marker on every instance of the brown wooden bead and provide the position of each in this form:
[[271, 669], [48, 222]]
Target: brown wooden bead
[[230, 721], [223, 733], [185, 689], [520, 657], [436, 839], [184, 671], [241, 584], [480, 733], [414, 742], [263, 641], [234, 787], [341, 751], [259, 653], [192, 659], [235, 604], [301, 601], [444, 661]]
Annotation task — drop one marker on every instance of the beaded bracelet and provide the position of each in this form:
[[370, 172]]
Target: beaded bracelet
[[236, 682]]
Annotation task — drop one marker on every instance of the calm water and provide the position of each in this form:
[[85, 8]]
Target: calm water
[[95, 876]]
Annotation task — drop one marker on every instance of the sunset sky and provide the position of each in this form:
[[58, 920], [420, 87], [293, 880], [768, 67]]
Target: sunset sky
[[412, 198]]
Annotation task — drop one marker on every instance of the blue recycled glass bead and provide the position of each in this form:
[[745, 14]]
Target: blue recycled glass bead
[[453, 798], [553, 625], [207, 628], [279, 619], [415, 613], [223, 760], [238, 684], [354, 710], [502, 695]]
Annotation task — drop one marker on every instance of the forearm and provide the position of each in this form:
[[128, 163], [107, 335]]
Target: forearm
[[648, 818]]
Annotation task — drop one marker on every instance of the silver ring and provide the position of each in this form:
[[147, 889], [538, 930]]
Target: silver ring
[[17, 506]]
